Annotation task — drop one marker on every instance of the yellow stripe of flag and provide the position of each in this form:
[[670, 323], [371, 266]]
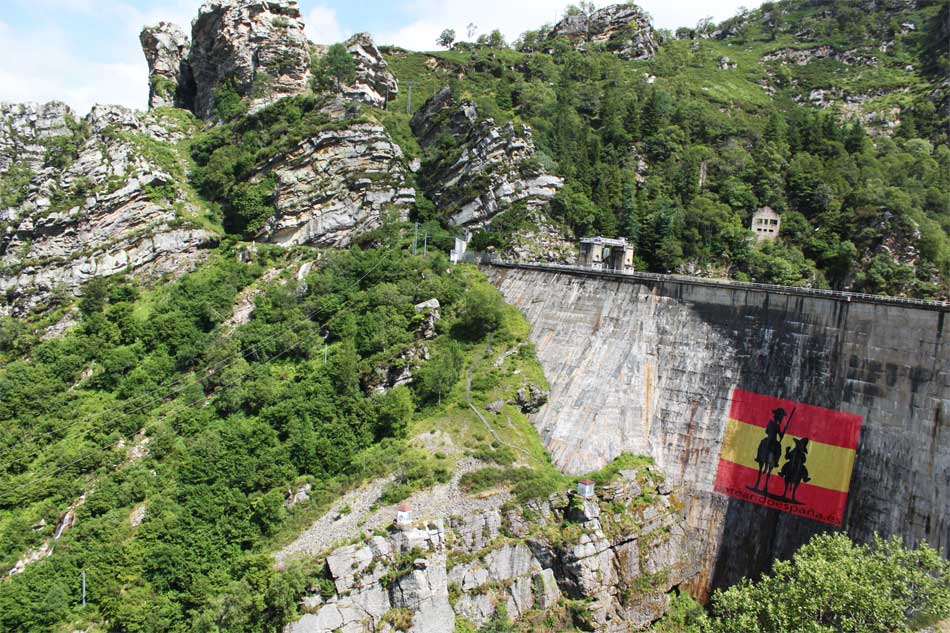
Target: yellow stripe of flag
[[828, 466]]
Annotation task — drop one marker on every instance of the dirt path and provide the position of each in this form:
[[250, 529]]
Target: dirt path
[[333, 529]]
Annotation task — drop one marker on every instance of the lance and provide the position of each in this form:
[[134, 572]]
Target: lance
[[787, 424]]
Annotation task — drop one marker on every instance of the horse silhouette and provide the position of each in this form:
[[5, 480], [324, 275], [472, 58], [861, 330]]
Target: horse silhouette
[[794, 471], [770, 448]]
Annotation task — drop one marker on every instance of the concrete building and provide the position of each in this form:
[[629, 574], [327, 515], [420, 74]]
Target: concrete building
[[766, 224], [585, 488], [403, 514], [604, 253]]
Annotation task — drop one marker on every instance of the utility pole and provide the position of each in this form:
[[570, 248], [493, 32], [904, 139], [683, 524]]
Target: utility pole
[[84, 588], [409, 84], [415, 237]]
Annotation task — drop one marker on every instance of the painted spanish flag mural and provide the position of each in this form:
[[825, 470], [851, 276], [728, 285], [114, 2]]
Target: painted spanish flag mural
[[787, 455]]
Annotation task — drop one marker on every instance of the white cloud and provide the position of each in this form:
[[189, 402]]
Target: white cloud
[[43, 64], [47, 70], [323, 26]]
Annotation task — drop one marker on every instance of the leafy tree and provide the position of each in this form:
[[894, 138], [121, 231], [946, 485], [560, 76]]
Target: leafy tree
[[482, 312], [833, 584], [334, 69], [446, 38]]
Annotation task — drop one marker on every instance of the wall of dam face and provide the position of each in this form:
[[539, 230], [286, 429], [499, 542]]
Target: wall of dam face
[[650, 366]]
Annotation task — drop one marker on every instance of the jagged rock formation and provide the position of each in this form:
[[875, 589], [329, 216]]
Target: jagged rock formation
[[170, 82], [493, 169], [257, 45], [614, 554], [258, 48], [374, 84], [336, 185], [623, 28], [107, 208]]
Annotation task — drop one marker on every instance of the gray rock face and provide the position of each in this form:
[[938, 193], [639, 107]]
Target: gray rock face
[[497, 167], [97, 216], [258, 45], [166, 49], [374, 84], [623, 28], [23, 129], [619, 557], [652, 367], [336, 185]]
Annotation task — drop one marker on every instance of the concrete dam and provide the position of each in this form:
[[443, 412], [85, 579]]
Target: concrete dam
[[657, 366]]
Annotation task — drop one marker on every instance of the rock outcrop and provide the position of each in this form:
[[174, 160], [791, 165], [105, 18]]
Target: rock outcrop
[[493, 168], [25, 129], [99, 202], [337, 184], [615, 557], [374, 84], [258, 47], [623, 29], [170, 82]]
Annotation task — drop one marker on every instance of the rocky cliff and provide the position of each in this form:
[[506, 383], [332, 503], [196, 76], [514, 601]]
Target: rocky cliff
[[604, 563], [652, 366], [338, 183], [171, 82], [99, 197], [256, 46], [374, 84], [478, 170], [623, 29]]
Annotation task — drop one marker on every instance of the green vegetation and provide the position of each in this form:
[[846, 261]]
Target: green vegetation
[[334, 69], [230, 159], [234, 419], [833, 584], [716, 147]]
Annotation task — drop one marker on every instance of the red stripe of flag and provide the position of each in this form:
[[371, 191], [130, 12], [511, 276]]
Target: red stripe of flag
[[816, 423], [817, 503]]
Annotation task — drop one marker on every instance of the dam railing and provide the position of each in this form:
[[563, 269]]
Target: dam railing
[[720, 283]]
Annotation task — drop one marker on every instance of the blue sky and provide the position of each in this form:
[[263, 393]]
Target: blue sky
[[87, 51]]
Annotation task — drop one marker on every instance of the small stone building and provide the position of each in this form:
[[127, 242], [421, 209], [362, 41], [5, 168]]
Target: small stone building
[[766, 224], [604, 253]]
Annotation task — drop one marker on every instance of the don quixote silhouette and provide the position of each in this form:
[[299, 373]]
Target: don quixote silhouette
[[769, 452]]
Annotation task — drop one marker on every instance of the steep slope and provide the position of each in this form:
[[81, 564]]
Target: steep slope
[[97, 197]]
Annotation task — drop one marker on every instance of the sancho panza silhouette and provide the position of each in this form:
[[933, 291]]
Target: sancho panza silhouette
[[770, 448], [793, 470]]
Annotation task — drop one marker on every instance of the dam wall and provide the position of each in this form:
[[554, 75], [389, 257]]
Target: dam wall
[[649, 366]]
